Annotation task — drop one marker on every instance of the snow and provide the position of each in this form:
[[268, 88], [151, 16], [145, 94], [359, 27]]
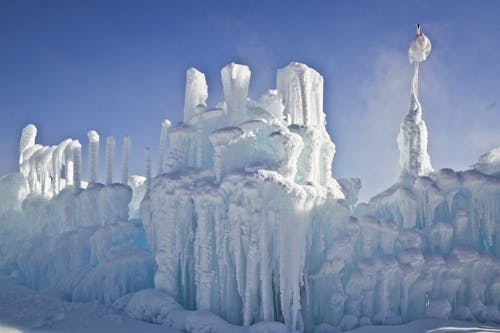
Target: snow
[[110, 156]]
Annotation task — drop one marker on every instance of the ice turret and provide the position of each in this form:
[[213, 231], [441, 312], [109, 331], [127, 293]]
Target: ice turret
[[196, 93], [235, 82], [147, 155], [163, 140], [110, 155], [27, 140], [76, 151], [93, 155], [302, 90], [127, 141], [412, 139]]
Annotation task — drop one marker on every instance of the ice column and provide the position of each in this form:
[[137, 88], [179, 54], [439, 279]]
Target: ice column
[[412, 139], [147, 155], [196, 93], [302, 91], [127, 141], [76, 150], [28, 137], [235, 82], [110, 153], [163, 139], [68, 163], [93, 155]]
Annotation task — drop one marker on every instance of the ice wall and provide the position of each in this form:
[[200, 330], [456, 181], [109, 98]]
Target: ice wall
[[231, 220]]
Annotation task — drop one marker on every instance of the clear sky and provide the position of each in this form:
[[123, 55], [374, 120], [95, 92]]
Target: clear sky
[[118, 67]]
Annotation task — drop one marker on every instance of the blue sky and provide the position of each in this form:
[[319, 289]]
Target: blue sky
[[118, 67]]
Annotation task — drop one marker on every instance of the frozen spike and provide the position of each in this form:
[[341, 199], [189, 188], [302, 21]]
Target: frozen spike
[[110, 155], [165, 124], [127, 142], [235, 82], [93, 155], [196, 92]]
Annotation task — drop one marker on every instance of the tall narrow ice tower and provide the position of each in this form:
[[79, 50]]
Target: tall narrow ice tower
[[412, 139]]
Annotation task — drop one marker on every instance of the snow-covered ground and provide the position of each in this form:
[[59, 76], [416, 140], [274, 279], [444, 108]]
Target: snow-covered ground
[[23, 310]]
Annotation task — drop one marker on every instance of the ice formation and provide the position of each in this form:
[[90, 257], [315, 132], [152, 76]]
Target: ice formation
[[93, 155], [76, 152], [245, 225], [127, 142], [163, 141], [412, 140], [489, 163], [110, 156]]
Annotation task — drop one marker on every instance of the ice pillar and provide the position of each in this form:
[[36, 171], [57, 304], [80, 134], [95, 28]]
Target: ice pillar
[[163, 141], [147, 155], [110, 153], [235, 82], [76, 150], [302, 91], [93, 155], [196, 93], [28, 137], [68, 164], [127, 141], [412, 139]]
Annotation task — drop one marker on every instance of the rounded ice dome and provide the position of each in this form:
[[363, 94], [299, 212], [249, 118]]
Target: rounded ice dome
[[420, 47]]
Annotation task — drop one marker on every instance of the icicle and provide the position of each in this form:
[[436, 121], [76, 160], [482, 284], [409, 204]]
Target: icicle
[[76, 149], [147, 153], [163, 141], [93, 155], [110, 153], [127, 141]]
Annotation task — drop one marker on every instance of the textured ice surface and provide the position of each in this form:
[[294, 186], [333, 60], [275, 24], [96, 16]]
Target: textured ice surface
[[489, 163]]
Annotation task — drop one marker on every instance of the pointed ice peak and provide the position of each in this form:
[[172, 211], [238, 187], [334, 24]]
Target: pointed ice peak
[[302, 91], [196, 92], [412, 139], [235, 82]]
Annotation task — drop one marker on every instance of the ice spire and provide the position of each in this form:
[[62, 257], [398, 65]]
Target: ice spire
[[147, 155], [163, 141], [93, 155], [302, 91], [196, 92], [235, 82], [127, 141], [27, 140], [110, 153], [76, 151], [68, 165], [412, 139]]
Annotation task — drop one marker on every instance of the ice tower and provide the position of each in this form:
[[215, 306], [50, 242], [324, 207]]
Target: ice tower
[[412, 139]]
